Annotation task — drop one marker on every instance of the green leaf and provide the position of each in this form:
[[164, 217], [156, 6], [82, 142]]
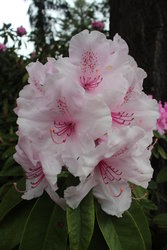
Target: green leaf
[[162, 175], [80, 223], [97, 241], [4, 188], [25, 78], [108, 229], [155, 152], [56, 235], [12, 226], [15, 170], [142, 223], [140, 192], [10, 151], [45, 228], [9, 162], [11, 199], [148, 204], [162, 152], [120, 233], [161, 220]]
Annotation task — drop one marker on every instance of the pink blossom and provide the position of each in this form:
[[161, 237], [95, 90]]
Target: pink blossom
[[88, 112], [21, 31], [123, 162], [36, 177], [97, 25], [115, 77], [2, 47], [89, 53], [162, 121]]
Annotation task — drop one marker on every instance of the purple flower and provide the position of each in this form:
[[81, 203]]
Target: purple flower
[[21, 31], [2, 47], [162, 121], [97, 25]]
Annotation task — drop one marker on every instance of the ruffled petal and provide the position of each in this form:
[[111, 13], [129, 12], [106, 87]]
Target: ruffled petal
[[74, 195], [55, 197], [106, 196]]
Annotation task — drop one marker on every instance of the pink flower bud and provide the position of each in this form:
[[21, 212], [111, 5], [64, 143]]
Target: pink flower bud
[[21, 31], [97, 25]]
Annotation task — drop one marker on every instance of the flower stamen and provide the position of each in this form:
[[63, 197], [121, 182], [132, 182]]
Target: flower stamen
[[17, 189], [109, 174], [64, 129], [36, 173], [122, 118], [89, 83]]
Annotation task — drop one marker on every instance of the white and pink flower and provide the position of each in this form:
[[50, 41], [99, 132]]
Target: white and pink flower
[[89, 114], [36, 177]]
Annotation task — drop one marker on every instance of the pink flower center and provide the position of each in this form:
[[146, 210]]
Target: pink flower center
[[63, 125], [89, 61], [109, 174], [63, 130], [90, 76], [88, 83], [35, 174], [122, 118]]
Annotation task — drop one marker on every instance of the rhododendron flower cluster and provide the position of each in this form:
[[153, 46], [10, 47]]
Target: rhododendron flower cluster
[[21, 31], [162, 121], [97, 25], [87, 115]]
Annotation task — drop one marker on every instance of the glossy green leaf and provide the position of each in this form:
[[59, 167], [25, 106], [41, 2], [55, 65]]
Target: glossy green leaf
[[120, 233], [162, 152], [45, 228], [148, 204], [108, 229], [162, 175], [97, 241], [11, 227], [11, 199], [56, 235], [15, 170], [80, 223], [141, 220]]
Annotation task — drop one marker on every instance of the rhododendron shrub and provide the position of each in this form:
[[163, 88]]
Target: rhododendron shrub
[[87, 115], [72, 183]]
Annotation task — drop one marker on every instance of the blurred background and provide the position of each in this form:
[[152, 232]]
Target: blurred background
[[33, 30]]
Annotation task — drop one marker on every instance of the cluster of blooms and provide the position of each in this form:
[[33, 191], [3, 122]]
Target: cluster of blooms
[[86, 113], [162, 121], [21, 31], [97, 25], [2, 47]]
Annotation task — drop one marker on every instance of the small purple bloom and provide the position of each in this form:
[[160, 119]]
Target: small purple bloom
[[2, 47], [21, 31], [97, 25]]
